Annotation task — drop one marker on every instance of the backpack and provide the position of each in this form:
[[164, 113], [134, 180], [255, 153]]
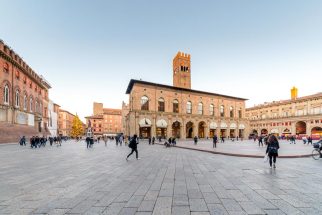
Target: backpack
[[132, 143]]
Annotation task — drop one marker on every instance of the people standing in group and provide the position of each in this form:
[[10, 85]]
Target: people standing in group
[[134, 147], [272, 150], [214, 141], [195, 140], [150, 140]]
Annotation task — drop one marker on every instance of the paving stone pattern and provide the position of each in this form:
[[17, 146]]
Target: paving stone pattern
[[74, 180]]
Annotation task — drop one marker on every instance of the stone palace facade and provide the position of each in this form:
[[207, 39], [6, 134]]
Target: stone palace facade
[[179, 111]]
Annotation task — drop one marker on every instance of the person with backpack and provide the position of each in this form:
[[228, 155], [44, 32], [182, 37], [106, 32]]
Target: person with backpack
[[272, 149], [134, 146]]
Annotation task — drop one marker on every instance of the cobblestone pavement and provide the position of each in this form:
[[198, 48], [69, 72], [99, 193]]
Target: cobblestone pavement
[[249, 147], [74, 180]]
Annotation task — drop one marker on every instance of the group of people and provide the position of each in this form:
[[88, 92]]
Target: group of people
[[37, 142]]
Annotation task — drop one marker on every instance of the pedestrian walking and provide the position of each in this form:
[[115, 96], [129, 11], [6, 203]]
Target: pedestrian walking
[[153, 140], [214, 141], [134, 147], [260, 141], [222, 139], [150, 140], [105, 140], [272, 150]]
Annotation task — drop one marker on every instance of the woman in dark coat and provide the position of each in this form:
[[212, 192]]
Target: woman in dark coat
[[272, 149], [134, 146]]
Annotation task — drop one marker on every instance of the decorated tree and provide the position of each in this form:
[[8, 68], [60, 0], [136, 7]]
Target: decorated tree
[[77, 127]]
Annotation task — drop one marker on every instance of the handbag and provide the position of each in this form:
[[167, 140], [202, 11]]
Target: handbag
[[265, 158]]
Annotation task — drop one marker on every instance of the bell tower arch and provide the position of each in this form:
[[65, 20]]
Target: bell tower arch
[[182, 70]]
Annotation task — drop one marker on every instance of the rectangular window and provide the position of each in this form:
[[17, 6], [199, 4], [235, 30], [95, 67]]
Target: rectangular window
[[161, 106], [175, 107], [240, 114]]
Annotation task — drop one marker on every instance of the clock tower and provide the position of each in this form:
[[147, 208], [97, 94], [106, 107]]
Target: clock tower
[[182, 70]]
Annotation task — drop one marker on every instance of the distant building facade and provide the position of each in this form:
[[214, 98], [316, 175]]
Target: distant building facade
[[53, 111], [178, 111], [65, 122], [23, 95], [296, 116], [105, 121]]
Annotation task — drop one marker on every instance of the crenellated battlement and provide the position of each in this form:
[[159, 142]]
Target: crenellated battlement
[[182, 55]]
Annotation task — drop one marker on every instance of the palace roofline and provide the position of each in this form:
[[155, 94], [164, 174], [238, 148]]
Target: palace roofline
[[288, 101], [134, 81], [10, 55]]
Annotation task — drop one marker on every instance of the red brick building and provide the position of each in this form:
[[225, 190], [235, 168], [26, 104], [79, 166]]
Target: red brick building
[[105, 121], [23, 98]]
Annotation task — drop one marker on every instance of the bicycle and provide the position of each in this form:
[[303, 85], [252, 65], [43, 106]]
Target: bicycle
[[316, 153]]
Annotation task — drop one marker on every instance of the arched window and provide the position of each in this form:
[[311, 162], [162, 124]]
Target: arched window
[[30, 104], [161, 105], [211, 110], [6, 95], [200, 108], [222, 111], [189, 107], [144, 103], [17, 98], [25, 102], [231, 112], [175, 106]]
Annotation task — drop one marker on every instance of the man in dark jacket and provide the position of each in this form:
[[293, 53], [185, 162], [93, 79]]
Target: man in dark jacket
[[134, 146], [214, 143]]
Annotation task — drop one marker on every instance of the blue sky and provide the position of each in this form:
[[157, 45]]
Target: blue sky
[[89, 50]]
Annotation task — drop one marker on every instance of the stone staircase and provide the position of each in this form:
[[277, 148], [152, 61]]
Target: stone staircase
[[11, 133]]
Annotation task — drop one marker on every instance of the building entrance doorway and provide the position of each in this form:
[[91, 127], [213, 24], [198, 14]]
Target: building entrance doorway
[[161, 132], [201, 129], [176, 129], [232, 133], [212, 133], [145, 132], [316, 131], [241, 133], [223, 132], [300, 127], [264, 131], [189, 130]]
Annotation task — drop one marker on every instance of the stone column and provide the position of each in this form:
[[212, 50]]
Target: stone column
[[207, 131], [308, 128], [293, 132], [169, 131], [182, 131]]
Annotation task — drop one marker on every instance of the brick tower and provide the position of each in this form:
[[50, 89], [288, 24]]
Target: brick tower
[[182, 70]]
